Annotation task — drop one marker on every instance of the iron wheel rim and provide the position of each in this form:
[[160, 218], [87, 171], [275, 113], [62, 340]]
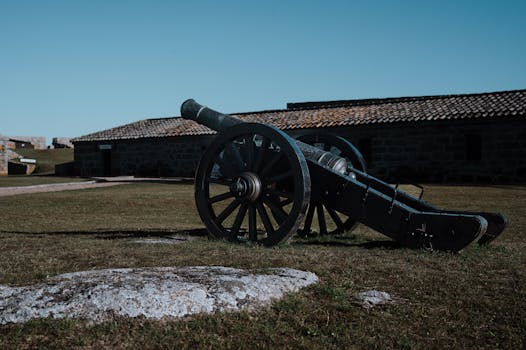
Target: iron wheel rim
[[276, 161]]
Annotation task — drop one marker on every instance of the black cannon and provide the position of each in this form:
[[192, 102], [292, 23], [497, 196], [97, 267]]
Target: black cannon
[[256, 183]]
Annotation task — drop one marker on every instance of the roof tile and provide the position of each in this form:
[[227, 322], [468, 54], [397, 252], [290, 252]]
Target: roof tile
[[339, 113]]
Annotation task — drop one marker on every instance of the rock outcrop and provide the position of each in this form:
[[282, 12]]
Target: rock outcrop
[[148, 292]]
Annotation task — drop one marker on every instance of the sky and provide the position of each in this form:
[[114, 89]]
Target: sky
[[69, 68]]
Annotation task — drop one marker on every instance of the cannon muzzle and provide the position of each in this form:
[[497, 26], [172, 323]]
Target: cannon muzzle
[[206, 116]]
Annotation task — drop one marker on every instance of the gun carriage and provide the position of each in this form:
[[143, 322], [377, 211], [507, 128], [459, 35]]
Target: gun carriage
[[256, 183]]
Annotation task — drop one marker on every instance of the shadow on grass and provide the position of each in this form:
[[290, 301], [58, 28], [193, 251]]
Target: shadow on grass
[[120, 234], [351, 242], [333, 241]]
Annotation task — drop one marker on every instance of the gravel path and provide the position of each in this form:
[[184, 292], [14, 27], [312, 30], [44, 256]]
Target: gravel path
[[12, 191]]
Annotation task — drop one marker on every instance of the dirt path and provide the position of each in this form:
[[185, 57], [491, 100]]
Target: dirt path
[[12, 191]]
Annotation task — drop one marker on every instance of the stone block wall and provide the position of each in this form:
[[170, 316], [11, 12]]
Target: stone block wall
[[445, 151], [4, 158], [450, 151], [62, 142], [17, 168], [164, 157], [38, 141]]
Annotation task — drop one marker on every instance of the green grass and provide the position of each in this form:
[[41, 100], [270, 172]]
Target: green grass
[[47, 158], [474, 299], [24, 180]]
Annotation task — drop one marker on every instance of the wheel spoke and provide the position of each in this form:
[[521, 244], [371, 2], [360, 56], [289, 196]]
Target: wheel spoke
[[286, 202], [280, 177], [250, 154], [277, 211], [239, 219], [225, 167], [321, 219], [266, 220], [308, 219], [261, 154], [220, 197], [228, 210], [252, 224], [271, 164], [238, 159], [336, 219], [222, 181], [277, 193]]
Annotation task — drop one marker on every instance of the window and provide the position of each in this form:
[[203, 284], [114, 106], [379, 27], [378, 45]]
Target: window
[[473, 147]]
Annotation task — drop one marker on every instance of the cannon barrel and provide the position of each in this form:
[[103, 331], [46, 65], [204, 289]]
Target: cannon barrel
[[219, 122]]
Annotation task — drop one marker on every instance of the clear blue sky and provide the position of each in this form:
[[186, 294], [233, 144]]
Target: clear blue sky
[[68, 68]]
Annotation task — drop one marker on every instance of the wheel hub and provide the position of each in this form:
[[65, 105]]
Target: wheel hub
[[247, 186]]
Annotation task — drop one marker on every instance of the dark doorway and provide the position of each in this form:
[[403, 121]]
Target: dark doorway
[[106, 162]]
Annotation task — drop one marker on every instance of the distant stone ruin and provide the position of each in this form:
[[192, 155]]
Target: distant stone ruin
[[62, 142], [21, 167], [10, 161], [39, 142], [4, 157]]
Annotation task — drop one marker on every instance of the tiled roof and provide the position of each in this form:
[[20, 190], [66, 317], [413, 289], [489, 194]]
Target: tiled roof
[[341, 113]]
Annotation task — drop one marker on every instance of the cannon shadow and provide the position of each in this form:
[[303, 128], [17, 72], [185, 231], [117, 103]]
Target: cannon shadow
[[118, 234], [351, 242], [202, 232]]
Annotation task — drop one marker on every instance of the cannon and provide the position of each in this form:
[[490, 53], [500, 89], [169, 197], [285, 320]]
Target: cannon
[[256, 183]]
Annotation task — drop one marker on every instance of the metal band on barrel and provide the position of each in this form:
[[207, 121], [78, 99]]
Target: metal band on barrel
[[199, 112]]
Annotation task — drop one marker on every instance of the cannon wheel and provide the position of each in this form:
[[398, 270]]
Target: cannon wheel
[[343, 148], [252, 170]]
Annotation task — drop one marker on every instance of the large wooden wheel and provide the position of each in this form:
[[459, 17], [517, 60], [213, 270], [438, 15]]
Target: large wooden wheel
[[253, 184], [323, 212]]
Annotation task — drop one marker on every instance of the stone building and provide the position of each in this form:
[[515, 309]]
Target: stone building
[[36, 142], [62, 142], [20, 144], [4, 158], [468, 137]]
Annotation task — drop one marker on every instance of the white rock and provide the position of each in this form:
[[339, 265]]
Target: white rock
[[372, 298], [149, 292]]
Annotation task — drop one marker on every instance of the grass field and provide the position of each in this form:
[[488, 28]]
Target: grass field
[[473, 299]]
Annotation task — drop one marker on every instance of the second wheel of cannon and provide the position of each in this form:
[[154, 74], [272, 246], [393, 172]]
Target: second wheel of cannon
[[253, 184], [319, 215]]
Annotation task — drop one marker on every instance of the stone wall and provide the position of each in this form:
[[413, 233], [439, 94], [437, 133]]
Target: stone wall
[[38, 141], [4, 158], [62, 142], [17, 168], [165, 157], [445, 151]]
